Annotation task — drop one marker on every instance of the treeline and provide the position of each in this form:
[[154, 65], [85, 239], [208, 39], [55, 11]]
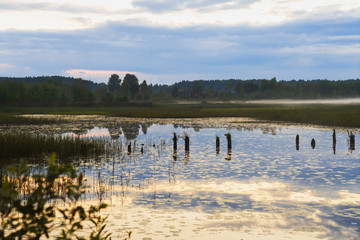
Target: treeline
[[262, 89], [67, 91]]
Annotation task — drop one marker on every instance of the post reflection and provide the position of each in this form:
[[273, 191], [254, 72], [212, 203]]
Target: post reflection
[[228, 155], [264, 186]]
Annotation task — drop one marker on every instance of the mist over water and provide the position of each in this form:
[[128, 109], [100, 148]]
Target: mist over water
[[346, 101]]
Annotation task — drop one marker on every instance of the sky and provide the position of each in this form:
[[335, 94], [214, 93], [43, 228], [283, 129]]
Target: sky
[[169, 41]]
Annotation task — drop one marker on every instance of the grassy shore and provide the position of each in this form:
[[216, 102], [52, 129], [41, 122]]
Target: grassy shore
[[330, 115]]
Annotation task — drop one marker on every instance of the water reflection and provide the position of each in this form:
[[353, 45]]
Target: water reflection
[[114, 131], [228, 155], [264, 189]]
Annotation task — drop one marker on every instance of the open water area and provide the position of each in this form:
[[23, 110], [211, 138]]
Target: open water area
[[263, 186]]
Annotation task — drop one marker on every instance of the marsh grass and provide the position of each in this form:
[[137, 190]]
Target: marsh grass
[[31, 145], [12, 119], [330, 115]]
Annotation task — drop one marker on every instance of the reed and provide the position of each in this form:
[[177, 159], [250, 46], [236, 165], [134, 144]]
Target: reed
[[12, 119], [31, 145]]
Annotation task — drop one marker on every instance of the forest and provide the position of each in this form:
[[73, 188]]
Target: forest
[[68, 91]]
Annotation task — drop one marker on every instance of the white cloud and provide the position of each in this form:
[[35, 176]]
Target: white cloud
[[6, 66], [66, 14], [195, 40], [328, 49]]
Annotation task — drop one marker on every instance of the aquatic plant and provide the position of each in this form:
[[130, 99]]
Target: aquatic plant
[[30, 145], [36, 214], [331, 115], [13, 119]]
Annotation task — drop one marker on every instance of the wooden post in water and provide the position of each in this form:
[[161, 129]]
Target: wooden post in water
[[334, 141], [142, 148], [175, 142], [175, 146], [217, 145], [129, 149], [313, 143], [297, 142], [187, 143], [352, 141], [228, 137]]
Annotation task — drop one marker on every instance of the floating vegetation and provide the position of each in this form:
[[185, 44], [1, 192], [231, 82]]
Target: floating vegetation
[[24, 144]]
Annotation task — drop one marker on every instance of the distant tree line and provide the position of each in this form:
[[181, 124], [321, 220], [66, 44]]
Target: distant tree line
[[262, 89], [67, 91]]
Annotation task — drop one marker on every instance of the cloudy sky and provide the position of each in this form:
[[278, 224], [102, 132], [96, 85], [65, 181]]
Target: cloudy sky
[[168, 41]]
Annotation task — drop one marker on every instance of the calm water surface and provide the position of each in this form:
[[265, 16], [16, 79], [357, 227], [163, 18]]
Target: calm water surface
[[261, 188]]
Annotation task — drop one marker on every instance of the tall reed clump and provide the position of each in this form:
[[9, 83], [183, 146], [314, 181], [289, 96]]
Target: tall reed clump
[[31, 145]]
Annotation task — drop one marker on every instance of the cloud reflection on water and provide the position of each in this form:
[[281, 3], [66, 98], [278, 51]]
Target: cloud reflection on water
[[273, 209], [268, 190]]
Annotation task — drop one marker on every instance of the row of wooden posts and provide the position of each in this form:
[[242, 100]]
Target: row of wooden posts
[[313, 143], [229, 146]]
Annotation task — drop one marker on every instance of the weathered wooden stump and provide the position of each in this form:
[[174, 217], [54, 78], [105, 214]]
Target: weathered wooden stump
[[217, 144], [352, 141], [175, 142], [129, 148], [187, 143], [313, 143], [175, 139], [228, 137], [334, 141], [297, 142]]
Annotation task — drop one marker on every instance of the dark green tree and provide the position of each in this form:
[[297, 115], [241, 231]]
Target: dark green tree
[[196, 90], [145, 90], [175, 92], [114, 82], [132, 81], [81, 92]]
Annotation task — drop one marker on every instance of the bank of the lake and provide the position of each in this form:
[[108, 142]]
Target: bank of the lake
[[319, 114]]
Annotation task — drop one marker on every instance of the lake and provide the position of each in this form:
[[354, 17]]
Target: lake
[[263, 187]]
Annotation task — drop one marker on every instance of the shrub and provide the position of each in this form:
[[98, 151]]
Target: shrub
[[29, 209]]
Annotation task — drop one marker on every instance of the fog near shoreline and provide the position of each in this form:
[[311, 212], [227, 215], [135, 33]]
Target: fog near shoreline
[[344, 101], [340, 101]]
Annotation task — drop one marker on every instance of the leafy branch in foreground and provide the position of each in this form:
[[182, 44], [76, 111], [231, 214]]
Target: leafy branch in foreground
[[32, 207]]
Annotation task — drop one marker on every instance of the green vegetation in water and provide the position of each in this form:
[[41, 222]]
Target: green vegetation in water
[[13, 119], [29, 206], [330, 115], [23, 144]]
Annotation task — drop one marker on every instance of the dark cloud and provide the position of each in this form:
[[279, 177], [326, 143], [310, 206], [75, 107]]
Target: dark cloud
[[294, 50]]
